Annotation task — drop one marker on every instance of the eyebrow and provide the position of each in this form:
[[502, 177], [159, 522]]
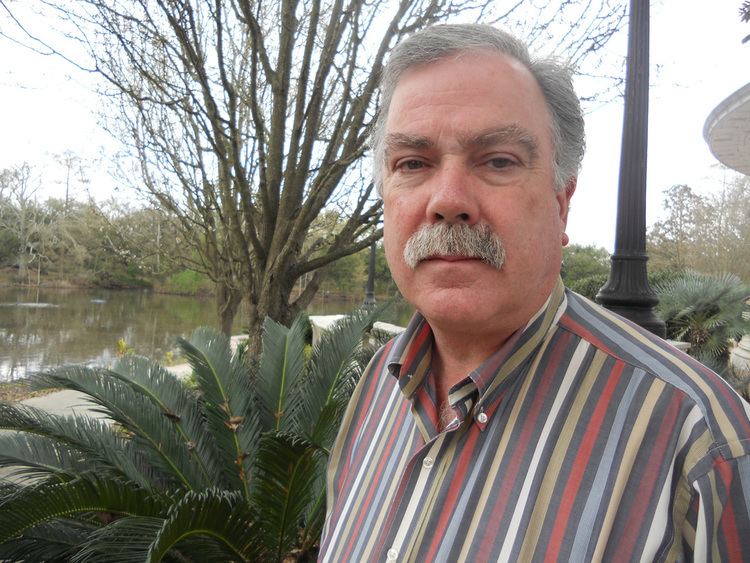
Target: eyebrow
[[394, 141], [509, 134]]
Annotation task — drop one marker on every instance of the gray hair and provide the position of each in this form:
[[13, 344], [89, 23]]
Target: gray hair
[[555, 79]]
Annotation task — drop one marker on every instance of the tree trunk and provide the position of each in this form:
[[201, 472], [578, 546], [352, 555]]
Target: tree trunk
[[273, 301], [228, 302], [23, 267]]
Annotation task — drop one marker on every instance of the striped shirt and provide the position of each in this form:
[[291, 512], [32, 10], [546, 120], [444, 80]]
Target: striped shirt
[[583, 438]]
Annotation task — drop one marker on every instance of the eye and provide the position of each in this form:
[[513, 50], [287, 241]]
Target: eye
[[500, 162], [410, 164]]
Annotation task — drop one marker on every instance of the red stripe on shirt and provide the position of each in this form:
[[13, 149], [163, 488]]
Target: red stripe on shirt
[[580, 464]]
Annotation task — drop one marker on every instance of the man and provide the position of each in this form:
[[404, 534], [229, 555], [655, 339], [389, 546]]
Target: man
[[514, 420]]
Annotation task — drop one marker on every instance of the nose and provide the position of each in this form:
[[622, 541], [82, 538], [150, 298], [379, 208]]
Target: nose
[[452, 200]]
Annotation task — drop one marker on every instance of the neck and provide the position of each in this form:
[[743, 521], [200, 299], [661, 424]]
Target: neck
[[455, 355]]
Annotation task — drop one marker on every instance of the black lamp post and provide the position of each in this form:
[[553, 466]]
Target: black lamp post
[[627, 292]]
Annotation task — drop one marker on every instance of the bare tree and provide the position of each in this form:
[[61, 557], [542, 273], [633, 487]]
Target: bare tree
[[250, 118], [22, 215]]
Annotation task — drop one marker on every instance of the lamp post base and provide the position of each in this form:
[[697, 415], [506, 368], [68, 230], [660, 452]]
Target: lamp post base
[[628, 293]]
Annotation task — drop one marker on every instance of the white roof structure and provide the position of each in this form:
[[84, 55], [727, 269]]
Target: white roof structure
[[727, 131]]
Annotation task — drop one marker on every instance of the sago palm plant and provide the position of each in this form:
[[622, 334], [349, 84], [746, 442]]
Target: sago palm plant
[[232, 470]]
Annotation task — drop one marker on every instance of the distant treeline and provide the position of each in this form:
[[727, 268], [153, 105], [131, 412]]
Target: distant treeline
[[116, 244]]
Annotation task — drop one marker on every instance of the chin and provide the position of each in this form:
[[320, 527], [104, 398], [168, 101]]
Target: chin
[[452, 307]]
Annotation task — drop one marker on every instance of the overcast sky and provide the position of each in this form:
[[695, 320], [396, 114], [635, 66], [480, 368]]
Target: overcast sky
[[47, 108]]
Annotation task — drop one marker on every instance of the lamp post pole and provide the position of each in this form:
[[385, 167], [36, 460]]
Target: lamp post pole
[[627, 292]]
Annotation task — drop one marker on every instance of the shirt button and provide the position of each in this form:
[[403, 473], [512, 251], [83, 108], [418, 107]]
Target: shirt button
[[427, 462], [482, 418], [392, 554]]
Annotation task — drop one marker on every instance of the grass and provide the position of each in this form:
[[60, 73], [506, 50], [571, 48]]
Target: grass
[[14, 391]]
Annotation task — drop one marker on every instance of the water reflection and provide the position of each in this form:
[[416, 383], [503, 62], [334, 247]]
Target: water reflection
[[46, 328]]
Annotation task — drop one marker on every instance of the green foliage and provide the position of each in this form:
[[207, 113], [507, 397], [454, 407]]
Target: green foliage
[[581, 262], [346, 275], [231, 469], [661, 277], [120, 277], [109, 244], [588, 286], [187, 282], [384, 284], [585, 269], [706, 311], [8, 245]]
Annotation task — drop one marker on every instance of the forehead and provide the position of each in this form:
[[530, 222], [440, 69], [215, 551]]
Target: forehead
[[466, 91]]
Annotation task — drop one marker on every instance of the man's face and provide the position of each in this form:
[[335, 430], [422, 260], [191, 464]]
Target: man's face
[[468, 140]]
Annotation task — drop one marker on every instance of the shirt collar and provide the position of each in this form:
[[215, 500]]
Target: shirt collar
[[411, 354]]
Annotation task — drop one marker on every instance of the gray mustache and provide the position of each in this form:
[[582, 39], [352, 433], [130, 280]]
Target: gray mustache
[[459, 239]]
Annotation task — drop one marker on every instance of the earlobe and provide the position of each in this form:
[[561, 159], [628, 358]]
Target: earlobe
[[564, 239]]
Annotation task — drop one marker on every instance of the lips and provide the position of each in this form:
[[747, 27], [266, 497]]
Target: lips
[[451, 258]]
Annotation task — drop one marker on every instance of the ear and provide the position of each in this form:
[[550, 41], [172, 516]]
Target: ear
[[563, 201]]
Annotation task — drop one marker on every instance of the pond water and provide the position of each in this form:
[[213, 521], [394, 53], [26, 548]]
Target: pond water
[[45, 328]]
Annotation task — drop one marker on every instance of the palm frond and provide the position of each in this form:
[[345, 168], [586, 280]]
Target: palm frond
[[282, 364], [315, 517], [284, 488], [32, 457], [178, 405], [80, 440], [8, 488], [230, 420], [125, 540], [221, 518], [152, 434], [51, 499], [49, 542], [321, 397]]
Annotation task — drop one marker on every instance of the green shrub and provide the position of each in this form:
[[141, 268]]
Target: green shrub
[[187, 282], [658, 278], [581, 262], [706, 311], [120, 278], [588, 286]]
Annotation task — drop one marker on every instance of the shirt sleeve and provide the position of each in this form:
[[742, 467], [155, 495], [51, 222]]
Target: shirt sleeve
[[717, 524]]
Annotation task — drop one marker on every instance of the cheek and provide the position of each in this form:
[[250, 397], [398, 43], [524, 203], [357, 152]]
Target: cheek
[[391, 243], [395, 220], [527, 227]]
